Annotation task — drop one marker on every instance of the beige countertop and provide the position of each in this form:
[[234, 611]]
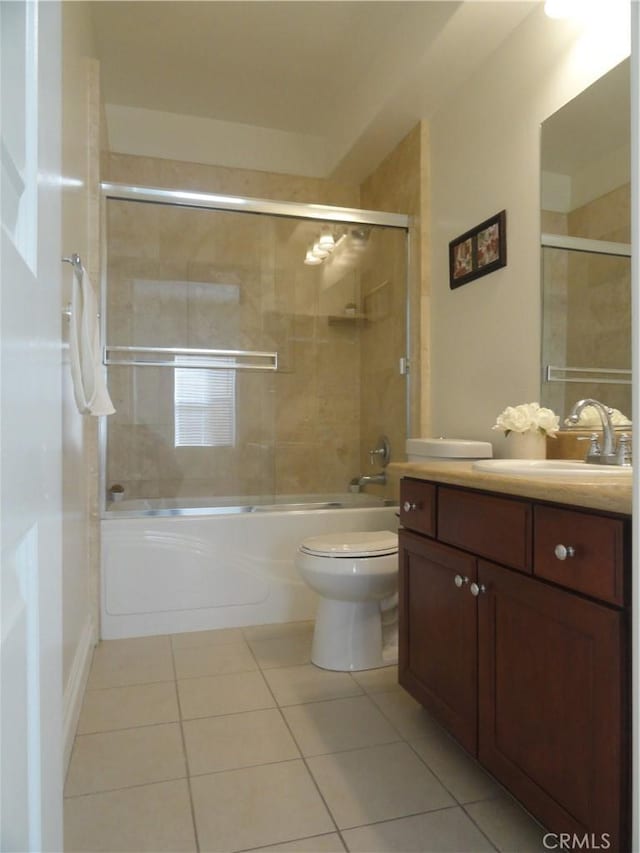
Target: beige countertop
[[605, 494]]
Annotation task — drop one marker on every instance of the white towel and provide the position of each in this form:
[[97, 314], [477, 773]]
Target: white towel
[[89, 388]]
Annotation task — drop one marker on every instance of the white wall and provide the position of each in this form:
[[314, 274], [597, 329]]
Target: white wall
[[485, 158], [79, 169], [152, 133]]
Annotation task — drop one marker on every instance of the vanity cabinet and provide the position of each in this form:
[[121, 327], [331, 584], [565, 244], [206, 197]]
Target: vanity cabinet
[[521, 653]]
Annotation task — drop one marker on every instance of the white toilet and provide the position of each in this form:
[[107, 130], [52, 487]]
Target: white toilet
[[356, 577]]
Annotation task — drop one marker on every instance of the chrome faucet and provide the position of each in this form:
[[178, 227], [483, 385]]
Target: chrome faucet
[[608, 453], [373, 479]]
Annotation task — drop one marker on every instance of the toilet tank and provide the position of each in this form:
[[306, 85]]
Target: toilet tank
[[421, 449]]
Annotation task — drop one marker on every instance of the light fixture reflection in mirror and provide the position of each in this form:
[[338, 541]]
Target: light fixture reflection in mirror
[[585, 217]]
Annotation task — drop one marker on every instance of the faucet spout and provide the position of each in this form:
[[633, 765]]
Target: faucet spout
[[607, 453], [373, 479]]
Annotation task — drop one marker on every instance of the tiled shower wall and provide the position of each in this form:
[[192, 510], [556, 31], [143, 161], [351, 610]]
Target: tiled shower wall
[[238, 282], [397, 185]]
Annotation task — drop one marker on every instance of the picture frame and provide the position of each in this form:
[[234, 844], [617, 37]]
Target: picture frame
[[478, 252]]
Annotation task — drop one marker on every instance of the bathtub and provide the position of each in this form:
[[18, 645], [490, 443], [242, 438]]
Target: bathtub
[[169, 566]]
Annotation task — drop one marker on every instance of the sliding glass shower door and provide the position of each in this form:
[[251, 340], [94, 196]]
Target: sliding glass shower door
[[240, 372]]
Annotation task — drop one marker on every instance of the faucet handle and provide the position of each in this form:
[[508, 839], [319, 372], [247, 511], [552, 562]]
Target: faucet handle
[[623, 453], [594, 453], [382, 450], [594, 447]]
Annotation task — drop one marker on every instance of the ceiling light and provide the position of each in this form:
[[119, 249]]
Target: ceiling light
[[558, 9], [319, 251], [327, 242]]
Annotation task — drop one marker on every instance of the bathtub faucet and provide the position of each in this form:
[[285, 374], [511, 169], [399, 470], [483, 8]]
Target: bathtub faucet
[[373, 479]]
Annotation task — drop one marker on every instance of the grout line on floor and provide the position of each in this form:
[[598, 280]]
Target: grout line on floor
[[127, 728], [127, 686], [184, 750], [311, 776], [304, 838], [124, 787]]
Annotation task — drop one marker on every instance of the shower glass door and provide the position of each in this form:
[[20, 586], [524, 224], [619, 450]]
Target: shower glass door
[[240, 374]]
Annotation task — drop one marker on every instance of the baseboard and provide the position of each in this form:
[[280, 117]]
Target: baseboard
[[74, 692]]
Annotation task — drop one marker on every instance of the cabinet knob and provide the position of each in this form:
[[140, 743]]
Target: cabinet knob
[[460, 581], [409, 507], [477, 590], [563, 552]]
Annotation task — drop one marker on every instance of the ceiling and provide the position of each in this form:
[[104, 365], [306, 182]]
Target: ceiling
[[358, 75]]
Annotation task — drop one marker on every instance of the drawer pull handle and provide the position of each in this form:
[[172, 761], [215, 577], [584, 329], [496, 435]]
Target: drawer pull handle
[[563, 552], [460, 581], [409, 507], [477, 590]]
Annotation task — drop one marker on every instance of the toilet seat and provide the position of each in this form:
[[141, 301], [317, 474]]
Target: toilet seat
[[379, 543]]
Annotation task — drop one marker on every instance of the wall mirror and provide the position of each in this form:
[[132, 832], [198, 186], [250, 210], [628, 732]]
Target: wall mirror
[[586, 256]]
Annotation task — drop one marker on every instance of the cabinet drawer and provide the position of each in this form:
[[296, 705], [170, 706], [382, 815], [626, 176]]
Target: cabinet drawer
[[492, 527], [418, 506], [596, 566]]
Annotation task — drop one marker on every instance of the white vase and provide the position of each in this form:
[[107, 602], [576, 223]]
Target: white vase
[[527, 445]]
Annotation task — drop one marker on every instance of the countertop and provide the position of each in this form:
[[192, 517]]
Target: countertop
[[605, 494]]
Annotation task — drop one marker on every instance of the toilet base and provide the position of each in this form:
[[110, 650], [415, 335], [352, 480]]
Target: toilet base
[[348, 637]]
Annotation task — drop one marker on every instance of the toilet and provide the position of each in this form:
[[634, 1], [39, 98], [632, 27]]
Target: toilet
[[356, 577]]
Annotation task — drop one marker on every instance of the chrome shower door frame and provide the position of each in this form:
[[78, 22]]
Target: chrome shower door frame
[[240, 204]]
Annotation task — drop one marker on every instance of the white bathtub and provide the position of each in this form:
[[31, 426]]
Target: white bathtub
[[168, 569]]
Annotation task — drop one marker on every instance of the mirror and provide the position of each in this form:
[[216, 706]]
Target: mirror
[[586, 264]]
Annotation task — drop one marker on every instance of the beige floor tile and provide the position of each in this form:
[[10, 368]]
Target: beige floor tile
[[239, 809], [103, 762], [318, 844], [377, 680], [278, 629], [219, 637], [507, 825], [238, 740], [407, 715], [297, 684], [339, 724], [444, 831], [224, 694], [293, 650], [126, 707], [213, 660], [141, 660], [147, 819], [377, 783], [459, 773]]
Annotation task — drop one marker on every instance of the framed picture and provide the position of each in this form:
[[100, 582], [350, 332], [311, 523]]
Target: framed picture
[[479, 251]]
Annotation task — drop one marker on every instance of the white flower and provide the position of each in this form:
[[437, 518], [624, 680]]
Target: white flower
[[590, 417], [528, 417]]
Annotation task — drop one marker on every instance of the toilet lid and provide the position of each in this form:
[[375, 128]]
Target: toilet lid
[[375, 544]]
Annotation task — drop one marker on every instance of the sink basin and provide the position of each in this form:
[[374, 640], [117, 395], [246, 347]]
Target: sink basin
[[566, 469]]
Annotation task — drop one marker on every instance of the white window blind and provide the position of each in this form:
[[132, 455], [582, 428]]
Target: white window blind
[[205, 404]]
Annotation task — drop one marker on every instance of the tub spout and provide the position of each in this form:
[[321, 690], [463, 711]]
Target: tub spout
[[373, 479]]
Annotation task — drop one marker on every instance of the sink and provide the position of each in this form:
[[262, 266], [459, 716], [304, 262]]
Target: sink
[[567, 469]]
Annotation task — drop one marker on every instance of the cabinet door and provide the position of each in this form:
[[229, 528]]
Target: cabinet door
[[438, 626], [551, 704]]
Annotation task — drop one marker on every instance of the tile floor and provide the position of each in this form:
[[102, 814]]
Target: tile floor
[[232, 740]]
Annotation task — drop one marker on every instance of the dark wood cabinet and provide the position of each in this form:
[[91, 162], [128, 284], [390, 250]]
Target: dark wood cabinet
[[550, 710], [439, 662], [525, 663]]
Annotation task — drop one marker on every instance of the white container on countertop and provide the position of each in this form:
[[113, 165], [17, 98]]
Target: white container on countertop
[[421, 449]]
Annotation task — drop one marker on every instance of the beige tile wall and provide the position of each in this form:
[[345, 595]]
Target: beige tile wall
[[398, 185]]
